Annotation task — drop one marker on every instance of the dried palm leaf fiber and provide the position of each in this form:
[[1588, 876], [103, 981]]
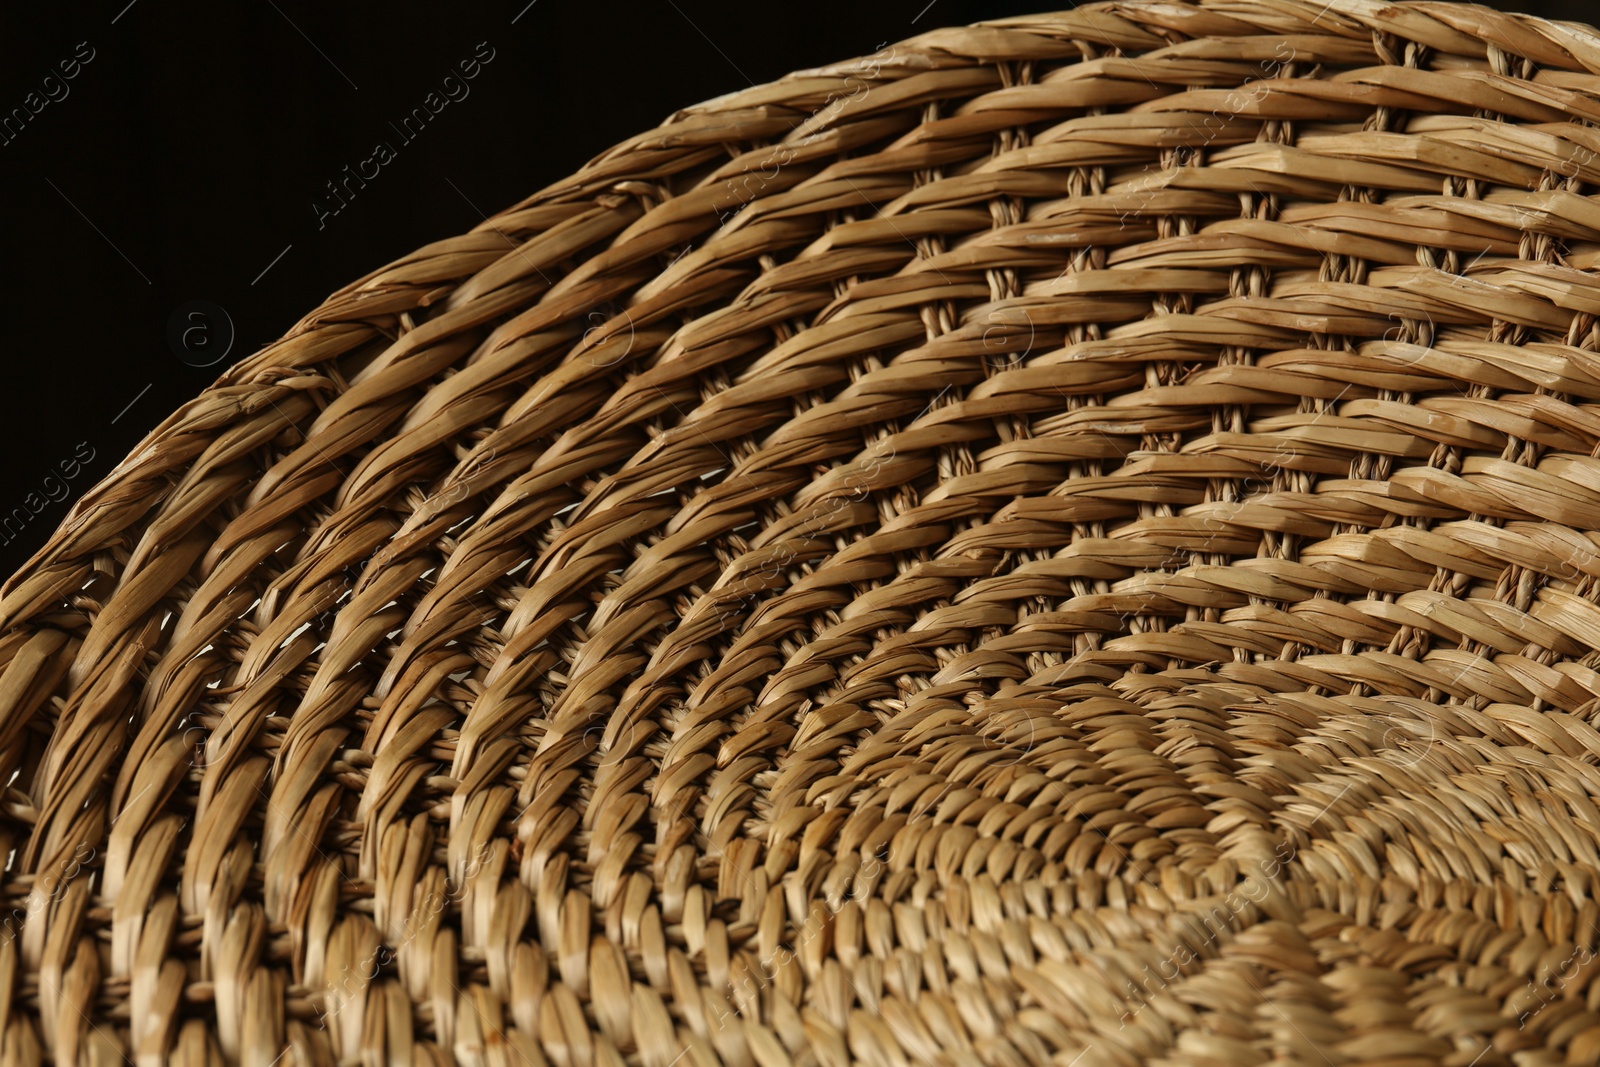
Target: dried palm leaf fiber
[[1067, 540]]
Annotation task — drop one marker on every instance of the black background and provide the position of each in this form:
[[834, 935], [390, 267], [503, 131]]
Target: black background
[[188, 154]]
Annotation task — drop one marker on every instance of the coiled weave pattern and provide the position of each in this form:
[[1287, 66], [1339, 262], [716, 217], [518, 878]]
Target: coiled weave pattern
[[1067, 540]]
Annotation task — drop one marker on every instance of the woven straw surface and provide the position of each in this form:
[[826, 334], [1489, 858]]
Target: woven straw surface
[[1065, 540]]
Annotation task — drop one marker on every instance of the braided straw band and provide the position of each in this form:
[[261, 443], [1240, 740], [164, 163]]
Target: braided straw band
[[1063, 541]]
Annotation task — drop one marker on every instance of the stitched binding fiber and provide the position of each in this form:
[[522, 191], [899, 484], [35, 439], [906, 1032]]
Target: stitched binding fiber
[[1071, 540]]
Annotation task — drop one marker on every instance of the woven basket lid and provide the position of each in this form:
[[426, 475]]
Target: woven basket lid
[[1069, 540]]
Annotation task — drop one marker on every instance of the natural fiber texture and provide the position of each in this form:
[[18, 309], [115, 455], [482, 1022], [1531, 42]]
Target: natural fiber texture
[[1070, 540]]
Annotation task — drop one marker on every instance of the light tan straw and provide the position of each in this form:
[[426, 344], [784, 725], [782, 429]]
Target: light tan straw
[[1070, 540]]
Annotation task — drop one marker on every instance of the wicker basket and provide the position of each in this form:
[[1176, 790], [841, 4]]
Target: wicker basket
[[1068, 540]]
